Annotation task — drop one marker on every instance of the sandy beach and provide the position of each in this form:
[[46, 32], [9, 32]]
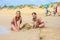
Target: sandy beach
[[50, 32]]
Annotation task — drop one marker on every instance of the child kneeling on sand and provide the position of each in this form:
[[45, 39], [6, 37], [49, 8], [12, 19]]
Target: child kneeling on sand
[[37, 22], [16, 21]]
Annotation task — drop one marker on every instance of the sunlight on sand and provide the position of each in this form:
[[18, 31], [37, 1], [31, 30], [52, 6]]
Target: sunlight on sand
[[4, 30]]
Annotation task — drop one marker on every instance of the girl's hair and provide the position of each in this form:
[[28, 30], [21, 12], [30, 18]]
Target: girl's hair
[[18, 11], [34, 13]]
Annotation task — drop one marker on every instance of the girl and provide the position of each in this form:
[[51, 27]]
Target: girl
[[16, 21]]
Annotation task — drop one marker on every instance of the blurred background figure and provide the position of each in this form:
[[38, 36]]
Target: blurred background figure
[[47, 10], [55, 9]]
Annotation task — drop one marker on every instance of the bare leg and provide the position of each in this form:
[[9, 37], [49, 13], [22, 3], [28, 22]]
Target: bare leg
[[42, 25], [14, 28]]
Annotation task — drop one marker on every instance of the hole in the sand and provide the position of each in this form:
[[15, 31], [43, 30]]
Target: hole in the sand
[[4, 30], [41, 38]]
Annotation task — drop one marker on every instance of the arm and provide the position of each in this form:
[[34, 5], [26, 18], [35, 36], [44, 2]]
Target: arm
[[20, 21], [35, 25], [15, 22]]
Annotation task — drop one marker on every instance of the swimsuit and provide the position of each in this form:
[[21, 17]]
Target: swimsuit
[[16, 18]]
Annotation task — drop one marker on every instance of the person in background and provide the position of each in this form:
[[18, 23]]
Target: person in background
[[55, 9], [16, 21], [47, 10], [37, 22], [46, 6]]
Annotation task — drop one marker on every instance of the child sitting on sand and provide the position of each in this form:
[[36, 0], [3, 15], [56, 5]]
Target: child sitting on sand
[[37, 22], [16, 21]]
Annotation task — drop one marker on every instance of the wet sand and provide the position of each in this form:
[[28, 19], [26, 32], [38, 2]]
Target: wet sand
[[50, 32]]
